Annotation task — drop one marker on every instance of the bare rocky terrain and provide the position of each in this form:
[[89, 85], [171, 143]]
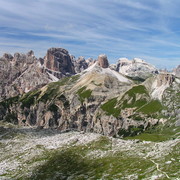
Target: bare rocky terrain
[[48, 154]]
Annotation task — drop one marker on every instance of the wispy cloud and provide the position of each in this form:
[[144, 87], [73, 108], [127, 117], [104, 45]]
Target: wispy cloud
[[118, 28]]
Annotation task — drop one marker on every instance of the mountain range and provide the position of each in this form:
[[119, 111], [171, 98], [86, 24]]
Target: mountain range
[[68, 118], [62, 92]]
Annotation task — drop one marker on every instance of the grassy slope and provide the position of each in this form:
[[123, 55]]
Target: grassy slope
[[152, 107], [168, 130], [84, 93], [129, 100], [158, 134], [110, 107]]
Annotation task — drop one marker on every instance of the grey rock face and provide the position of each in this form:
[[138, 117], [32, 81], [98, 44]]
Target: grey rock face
[[113, 67], [103, 61], [20, 73], [159, 83], [90, 61], [59, 61], [30, 53], [7, 56], [171, 100], [24, 72], [176, 71], [10, 69], [78, 105], [80, 64], [165, 79]]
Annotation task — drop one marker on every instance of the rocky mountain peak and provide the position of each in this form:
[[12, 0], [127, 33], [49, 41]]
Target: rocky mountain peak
[[122, 62], [20, 58], [135, 68], [103, 61], [81, 59], [159, 83], [176, 71], [30, 53], [17, 56], [80, 64], [90, 61], [138, 60], [7, 56], [59, 60]]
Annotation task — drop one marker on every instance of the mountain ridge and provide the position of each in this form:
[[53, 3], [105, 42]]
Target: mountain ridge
[[98, 99]]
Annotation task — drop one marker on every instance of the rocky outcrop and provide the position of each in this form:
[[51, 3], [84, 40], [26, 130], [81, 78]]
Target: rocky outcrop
[[90, 61], [80, 64], [171, 100], [165, 79], [157, 84], [21, 73], [103, 61], [66, 112], [11, 67], [7, 56], [137, 68], [176, 71], [24, 72], [70, 106], [58, 62], [113, 67]]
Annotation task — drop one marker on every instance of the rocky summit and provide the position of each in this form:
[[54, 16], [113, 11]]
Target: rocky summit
[[176, 71], [103, 61], [137, 68], [128, 110], [58, 62]]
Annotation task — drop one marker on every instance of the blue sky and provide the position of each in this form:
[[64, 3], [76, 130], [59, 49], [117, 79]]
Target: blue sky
[[147, 29]]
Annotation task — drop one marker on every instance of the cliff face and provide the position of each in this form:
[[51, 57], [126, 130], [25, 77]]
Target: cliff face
[[59, 62], [12, 68], [24, 72], [80, 64], [176, 71], [159, 83], [165, 79], [99, 108], [103, 61]]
